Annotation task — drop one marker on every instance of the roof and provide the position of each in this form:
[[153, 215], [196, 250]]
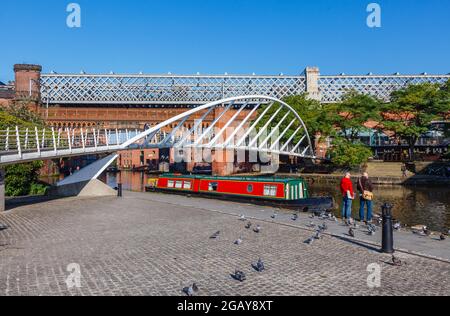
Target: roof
[[234, 178]]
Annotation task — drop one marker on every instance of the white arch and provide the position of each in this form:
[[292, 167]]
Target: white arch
[[18, 146], [308, 152]]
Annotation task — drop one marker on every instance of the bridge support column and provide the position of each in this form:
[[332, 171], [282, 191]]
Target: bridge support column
[[312, 82], [223, 163], [2, 190], [85, 183]]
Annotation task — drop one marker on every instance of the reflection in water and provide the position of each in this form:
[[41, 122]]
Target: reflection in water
[[412, 205]]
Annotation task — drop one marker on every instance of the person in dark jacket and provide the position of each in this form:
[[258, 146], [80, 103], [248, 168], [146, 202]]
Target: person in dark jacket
[[365, 185]]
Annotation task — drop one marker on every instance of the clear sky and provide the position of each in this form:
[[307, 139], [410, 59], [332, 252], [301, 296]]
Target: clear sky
[[234, 36]]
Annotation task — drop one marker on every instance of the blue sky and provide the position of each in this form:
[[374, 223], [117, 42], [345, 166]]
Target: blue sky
[[234, 36]]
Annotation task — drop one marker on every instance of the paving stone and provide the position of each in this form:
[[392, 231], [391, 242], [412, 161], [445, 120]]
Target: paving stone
[[143, 245]]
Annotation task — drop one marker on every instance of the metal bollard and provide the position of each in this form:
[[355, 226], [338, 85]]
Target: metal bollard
[[388, 230], [119, 189]]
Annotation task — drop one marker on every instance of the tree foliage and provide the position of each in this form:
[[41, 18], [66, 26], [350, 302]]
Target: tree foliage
[[20, 109], [311, 111], [8, 120], [21, 179], [351, 114], [345, 153], [413, 109]]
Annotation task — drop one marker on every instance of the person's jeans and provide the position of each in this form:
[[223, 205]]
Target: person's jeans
[[362, 207], [346, 208]]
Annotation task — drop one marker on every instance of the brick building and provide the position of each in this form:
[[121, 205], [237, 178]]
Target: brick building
[[110, 116]]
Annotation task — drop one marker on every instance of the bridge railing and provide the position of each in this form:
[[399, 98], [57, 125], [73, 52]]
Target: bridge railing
[[20, 141]]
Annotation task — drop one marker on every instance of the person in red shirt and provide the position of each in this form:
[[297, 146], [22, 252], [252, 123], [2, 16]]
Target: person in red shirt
[[348, 195]]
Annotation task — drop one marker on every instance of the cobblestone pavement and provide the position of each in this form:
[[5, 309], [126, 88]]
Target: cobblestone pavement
[[139, 246]]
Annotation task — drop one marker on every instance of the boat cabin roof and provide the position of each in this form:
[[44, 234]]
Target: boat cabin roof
[[236, 178]]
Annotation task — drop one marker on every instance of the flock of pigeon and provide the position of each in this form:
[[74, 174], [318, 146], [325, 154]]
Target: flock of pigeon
[[372, 229], [238, 275]]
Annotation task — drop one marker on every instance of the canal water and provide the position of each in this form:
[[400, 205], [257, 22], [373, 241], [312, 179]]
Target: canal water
[[412, 205]]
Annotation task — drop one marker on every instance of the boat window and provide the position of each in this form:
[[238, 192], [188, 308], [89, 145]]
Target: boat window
[[187, 185], [213, 186], [179, 184], [250, 188], [270, 190], [170, 184]]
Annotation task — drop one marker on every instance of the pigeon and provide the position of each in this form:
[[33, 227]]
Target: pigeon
[[257, 229], [309, 241], [333, 218], [371, 229], [323, 215], [379, 220], [242, 217], [318, 236], [372, 226], [419, 232], [427, 231], [259, 266], [274, 215], [249, 225], [191, 290], [3, 227], [323, 227], [398, 226], [443, 237], [312, 216], [351, 232], [239, 276], [295, 217], [396, 261], [351, 222], [215, 235], [238, 241], [312, 225]]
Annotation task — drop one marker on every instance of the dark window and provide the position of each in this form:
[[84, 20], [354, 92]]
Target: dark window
[[213, 186]]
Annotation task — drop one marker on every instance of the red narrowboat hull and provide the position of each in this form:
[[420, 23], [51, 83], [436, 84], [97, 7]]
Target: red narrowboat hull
[[287, 193]]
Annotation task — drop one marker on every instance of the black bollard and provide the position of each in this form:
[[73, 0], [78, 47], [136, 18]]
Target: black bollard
[[388, 230], [119, 189]]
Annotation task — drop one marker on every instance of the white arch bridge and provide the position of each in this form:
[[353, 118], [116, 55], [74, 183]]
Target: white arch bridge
[[252, 123]]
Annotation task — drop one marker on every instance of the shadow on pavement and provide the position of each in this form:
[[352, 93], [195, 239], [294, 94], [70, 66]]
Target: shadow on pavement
[[12, 203]]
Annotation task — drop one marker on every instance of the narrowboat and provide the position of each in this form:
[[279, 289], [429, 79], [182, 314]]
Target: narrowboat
[[287, 193]]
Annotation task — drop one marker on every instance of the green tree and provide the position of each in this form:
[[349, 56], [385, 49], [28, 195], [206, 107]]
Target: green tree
[[345, 153], [311, 111], [8, 120], [353, 112], [21, 179], [412, 110], [20, 109]]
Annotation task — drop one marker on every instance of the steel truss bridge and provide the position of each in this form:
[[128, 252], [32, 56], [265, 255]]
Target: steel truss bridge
[[198, 89], [258, 123]]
